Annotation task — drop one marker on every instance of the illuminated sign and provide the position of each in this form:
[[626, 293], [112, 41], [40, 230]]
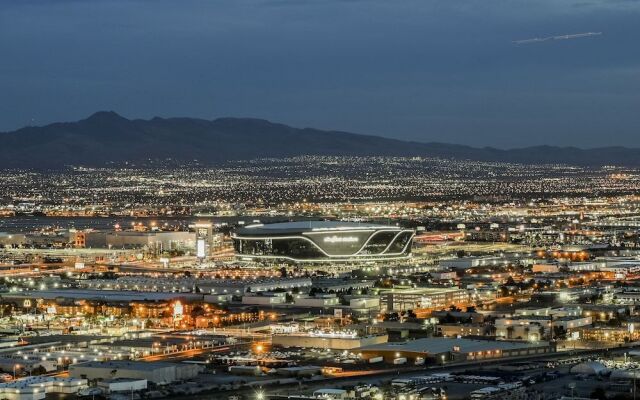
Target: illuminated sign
[[178, 310], [200, 248], [341, 239]]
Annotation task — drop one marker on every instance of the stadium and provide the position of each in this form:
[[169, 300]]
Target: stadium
[[322, 241]]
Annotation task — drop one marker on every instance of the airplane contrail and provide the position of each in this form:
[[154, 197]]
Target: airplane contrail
[[558, 37]]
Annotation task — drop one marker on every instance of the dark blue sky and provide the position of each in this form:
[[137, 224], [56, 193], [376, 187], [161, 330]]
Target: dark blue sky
[[427, 70]]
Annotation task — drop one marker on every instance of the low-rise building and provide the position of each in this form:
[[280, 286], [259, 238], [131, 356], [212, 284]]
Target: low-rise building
[[422, 298], [319, 300], [37, 387], [160, 373], [443, 350], [533, 327], [545, 268], [327, 340], [264, 299], [122, 385], [454, 330]]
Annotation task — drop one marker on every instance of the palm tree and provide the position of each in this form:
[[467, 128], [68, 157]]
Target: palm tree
[[509, 332]]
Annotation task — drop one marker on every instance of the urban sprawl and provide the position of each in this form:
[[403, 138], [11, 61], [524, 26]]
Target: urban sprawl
[[320, 278]]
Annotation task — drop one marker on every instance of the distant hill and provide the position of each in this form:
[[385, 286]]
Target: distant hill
[[106, 137]]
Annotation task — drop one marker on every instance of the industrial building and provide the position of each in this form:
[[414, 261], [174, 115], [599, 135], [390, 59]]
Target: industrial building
[[160, 373], [37, 387], [326, 340], [442, 350], [534, 327], [160, 240]]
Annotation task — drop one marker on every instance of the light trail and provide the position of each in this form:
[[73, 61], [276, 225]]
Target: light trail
[[558, 37]]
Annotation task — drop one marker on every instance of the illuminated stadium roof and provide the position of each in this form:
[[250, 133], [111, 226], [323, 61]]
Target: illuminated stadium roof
[[322, 241], [308, 226]]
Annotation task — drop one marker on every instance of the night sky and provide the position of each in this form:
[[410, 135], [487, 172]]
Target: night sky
[[426, 70]]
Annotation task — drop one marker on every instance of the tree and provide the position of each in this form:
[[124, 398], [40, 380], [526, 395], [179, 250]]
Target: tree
[[509, 332], [39, 370], [614, 322], [197, 311], [391, 317], [598, 393], [559, 332], [448, 319]]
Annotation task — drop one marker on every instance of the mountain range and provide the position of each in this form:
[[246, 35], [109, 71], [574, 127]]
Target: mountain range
[[106, 138]]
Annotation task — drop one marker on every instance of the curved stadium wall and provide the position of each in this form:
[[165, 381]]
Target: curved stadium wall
[[323, 242]]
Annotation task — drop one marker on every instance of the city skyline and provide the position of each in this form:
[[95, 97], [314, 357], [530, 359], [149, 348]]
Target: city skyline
[[319, 200]]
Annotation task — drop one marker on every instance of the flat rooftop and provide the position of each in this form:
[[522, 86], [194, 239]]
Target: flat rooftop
[[64, 339], [126, 365], [443, 345], [542, 318], [310, 226], [106, 295], [421, 291]]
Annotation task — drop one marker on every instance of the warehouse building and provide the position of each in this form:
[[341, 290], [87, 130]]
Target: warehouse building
[[37, 387], [160, 373], [442, 350], [327, 340]]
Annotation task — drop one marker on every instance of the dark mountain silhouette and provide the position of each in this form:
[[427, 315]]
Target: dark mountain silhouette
[[106, 137]]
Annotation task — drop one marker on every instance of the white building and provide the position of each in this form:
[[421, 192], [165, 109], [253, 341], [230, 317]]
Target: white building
[[264, 299], [326, 300], [123, 385], [37, 387], [423, 298], [160, 373]]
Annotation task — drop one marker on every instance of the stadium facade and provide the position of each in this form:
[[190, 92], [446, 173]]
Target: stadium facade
[[322, 241]]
